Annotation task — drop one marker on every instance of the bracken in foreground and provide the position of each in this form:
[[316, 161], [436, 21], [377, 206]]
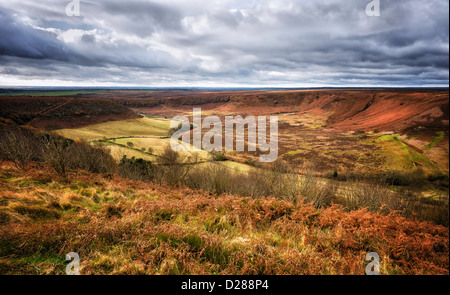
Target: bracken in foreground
[[120, 226]]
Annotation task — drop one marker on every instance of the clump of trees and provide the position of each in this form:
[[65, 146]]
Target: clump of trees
[[22, 146], [18, 146], [137, 169]]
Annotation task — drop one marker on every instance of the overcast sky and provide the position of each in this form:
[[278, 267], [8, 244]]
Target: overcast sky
[[280, 43]]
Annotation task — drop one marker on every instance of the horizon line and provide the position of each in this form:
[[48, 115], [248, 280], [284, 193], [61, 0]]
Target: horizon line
[[8, 87]]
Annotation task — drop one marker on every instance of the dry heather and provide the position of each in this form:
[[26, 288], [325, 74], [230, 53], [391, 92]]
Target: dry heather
[[122, 226]]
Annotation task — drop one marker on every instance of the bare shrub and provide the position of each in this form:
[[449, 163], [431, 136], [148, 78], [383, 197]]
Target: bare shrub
[[255, 183], [425, 208], [171, 167], [55, 153], [198, 178], [280, 166], [321, 193], [278, 181], [63, 154], [96, 159], [18, 145], [218, 179], [374, 197]]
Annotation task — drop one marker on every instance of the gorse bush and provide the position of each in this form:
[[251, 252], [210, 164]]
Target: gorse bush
[[136, 169]]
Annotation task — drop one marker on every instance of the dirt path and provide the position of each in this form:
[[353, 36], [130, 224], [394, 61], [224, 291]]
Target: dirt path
[[52, 109]]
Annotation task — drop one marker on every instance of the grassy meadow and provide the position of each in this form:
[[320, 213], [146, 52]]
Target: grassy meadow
[[114, 129]]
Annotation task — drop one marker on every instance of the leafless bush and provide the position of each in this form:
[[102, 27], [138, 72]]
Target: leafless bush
[[321, 193], [280, 166], [171, 167], [96, 159], [434, 209], [18, 145], [220, 179], [55, 153], [374, 197], [63, 154], [255, 183], [198, 178]]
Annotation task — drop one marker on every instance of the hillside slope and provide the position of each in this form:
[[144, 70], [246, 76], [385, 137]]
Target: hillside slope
[[120, 226], [49, 113], [334, 129], [392, 110]]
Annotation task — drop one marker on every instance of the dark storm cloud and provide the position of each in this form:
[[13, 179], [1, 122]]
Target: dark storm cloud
[[24, 41], [226, 42]]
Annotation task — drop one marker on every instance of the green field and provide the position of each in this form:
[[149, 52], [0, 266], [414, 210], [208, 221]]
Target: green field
[[37, 93], [129, 137], [143, 132], [400, 156], [436, 140], [118, 152], [144, 127], [234, 166], [53, 93], [155, 146]]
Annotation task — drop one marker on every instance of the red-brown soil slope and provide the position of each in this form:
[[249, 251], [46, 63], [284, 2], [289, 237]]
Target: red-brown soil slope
[[347, 110]]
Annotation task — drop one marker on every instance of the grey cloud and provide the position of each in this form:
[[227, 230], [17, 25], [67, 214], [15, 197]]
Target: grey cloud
[[22, 41], [142, 17], [270, 42]]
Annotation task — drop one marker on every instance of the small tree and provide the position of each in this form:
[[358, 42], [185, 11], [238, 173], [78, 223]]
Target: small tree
[[172, 168], [218, 156], [56, 155], [18, 146], [138, 169], [173, 130]]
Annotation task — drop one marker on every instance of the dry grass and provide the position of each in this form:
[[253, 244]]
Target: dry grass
[[121, 226]]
